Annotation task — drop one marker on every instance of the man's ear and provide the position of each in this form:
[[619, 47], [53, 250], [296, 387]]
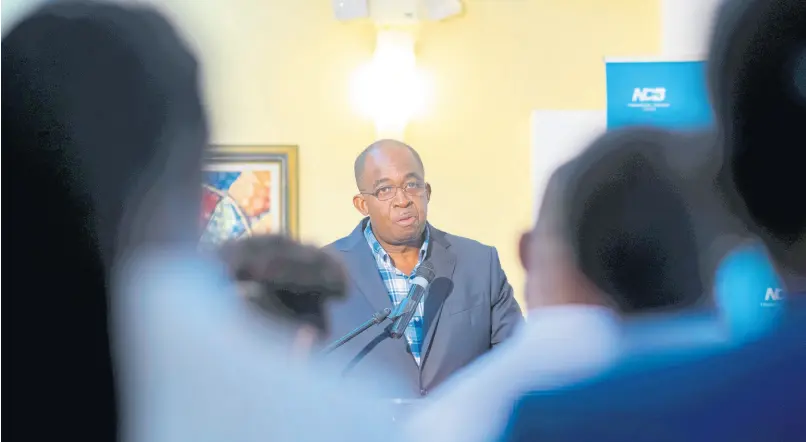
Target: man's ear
[[523, 249], [360, 204], [427, 191]]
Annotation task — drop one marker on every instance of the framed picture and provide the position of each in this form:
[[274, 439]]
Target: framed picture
[[248, 190]]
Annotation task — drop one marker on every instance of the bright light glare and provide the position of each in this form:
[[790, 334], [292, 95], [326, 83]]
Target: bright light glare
[[390, 89]]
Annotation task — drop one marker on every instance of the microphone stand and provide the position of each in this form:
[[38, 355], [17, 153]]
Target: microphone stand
[[377, 318]]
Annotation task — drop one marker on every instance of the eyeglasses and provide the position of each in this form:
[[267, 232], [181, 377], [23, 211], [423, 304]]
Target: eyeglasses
[[386, 193]]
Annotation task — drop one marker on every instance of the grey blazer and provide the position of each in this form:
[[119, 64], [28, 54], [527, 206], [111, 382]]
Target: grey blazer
[[469, 308]]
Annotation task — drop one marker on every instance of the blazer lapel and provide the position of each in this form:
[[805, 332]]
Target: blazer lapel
[[444, 262], [363, 269]]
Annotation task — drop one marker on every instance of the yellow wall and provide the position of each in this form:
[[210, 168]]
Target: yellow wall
[[277, 72]]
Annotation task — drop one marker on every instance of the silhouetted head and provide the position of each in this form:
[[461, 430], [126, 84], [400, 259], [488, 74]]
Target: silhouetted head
[[757, 79], [615, 228], [112, 94], [291, 283]]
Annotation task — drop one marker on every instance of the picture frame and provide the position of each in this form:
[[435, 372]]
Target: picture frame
[[249, 190]]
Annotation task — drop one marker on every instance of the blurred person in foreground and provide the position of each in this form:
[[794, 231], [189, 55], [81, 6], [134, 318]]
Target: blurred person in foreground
[[614, 239], [469, 307], [746, 282], [289, 282], [82, 121], [760, 103], [104, 123], [753, 391]]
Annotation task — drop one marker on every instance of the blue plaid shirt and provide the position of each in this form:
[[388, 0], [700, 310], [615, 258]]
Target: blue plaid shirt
[[398, 284]]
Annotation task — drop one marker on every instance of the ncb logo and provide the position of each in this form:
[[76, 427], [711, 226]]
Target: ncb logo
[[772, 297], [656, 94], [649, 98]]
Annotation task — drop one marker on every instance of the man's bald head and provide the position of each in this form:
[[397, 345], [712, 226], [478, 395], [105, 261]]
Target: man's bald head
[[392, 192], [381, 146]]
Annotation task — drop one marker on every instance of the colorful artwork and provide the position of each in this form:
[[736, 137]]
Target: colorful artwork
[[248, 191]]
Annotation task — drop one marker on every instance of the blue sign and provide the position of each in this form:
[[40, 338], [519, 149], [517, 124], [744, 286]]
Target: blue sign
[[748, 291], [667, 94]]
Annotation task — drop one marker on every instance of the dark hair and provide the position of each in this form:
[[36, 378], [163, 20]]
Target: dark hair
[[92, 92], [756, 62], [628, 222], [292, 281]]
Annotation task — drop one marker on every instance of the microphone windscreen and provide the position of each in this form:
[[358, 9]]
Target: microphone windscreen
[[426, 271]]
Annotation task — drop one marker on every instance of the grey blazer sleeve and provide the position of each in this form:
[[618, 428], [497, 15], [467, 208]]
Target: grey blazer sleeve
[[505, 312]]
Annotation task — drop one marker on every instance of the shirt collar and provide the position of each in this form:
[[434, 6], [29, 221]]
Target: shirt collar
[[379, 252], [572, 324]]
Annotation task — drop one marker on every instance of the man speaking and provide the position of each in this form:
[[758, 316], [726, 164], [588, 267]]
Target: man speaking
[[468, 307]]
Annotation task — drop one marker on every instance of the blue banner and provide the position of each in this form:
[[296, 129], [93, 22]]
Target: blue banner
[[668, 94], [748, 291]]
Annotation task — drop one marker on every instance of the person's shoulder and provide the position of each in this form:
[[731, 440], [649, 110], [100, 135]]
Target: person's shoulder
[[729, 379], [463, 245], [348, 241], [339, 244], [344, 243]]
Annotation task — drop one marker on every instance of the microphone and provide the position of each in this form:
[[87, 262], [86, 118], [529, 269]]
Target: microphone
[[408, 307], [376, 318]]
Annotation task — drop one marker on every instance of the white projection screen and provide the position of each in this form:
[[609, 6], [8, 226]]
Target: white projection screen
[[557, 136]]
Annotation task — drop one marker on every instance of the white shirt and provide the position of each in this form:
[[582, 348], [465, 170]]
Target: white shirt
[[556, 346], [196, 365]]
